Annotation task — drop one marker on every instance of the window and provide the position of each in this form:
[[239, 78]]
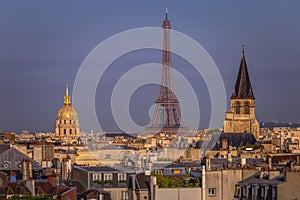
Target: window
[[107, 177], [124, 195], [6, 165], [70, 131], [65, 121], [176, 171], [274, 192], [237, 107], [237, 191], [101, 196], [247, 108], [107, 156], [264, 191], [96, 177], [245, 191], [212, 192], [121, 177], [65, 131]]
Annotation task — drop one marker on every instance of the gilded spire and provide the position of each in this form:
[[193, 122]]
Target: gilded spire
[[67, 98]]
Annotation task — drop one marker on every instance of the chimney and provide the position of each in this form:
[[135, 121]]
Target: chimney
[[152, 186], [26, 169], [154, 180], [270, 162], [54, 180], [244, 162], [224, 144], [57, 180], [64, 170], [30, 184], [30, 169], [101, 196], [262, 174], [203, 183], [207, 163], [273, 174]]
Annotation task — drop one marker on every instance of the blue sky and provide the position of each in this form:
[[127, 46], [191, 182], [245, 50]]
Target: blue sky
[[42, 45]]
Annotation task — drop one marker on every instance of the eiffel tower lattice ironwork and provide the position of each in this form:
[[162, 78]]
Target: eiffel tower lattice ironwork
[[166, 117]]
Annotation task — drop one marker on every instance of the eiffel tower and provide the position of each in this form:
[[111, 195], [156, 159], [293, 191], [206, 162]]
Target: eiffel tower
[[166, 118]]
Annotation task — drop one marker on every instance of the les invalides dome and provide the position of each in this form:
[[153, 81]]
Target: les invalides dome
[[67, 124]]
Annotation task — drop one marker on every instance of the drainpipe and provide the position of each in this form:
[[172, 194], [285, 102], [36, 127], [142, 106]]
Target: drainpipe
[[203, 183]]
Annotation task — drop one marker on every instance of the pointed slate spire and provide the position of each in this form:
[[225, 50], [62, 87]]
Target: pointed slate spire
[[243, 89]]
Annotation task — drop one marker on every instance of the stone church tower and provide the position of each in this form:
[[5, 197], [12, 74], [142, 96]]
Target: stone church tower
[[241, 116]]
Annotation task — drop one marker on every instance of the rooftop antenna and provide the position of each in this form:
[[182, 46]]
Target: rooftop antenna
[[166, 12]]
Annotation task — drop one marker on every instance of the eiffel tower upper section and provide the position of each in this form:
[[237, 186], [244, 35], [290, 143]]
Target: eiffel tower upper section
[[166, 118]]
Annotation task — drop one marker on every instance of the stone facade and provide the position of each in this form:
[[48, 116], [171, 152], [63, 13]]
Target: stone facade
[[290, 188], [103, 178], [178, 193], [220, 184], [241, 117]]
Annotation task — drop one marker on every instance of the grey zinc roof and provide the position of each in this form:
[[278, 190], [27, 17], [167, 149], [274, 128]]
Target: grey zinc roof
[[4, 147], [255, 180], [13, 156], [97, 168]]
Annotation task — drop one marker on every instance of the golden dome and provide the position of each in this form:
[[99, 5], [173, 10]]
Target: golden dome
[[67, 112], [67, 126]]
